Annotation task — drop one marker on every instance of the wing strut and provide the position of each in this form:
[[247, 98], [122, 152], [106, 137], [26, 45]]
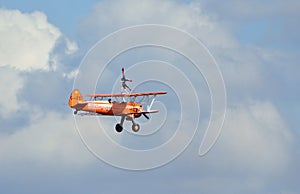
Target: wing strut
[[151, 103]]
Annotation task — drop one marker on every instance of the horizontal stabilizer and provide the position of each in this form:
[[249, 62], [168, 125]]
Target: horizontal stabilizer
[[80, 105]]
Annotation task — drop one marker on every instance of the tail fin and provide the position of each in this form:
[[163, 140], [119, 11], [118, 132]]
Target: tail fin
[[75, 98]]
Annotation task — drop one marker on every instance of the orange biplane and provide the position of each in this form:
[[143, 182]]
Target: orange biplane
[[125, 104]]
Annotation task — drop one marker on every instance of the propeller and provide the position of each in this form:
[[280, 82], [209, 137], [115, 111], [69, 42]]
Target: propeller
[[146, 116]]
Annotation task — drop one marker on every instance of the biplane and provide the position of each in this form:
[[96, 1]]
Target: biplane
[[127, 105]]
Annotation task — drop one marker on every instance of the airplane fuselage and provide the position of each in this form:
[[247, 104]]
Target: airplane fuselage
[[112, 108]]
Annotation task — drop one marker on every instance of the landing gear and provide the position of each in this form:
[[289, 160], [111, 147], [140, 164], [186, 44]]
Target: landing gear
[[119, 128], [75, 112], [135, 127]]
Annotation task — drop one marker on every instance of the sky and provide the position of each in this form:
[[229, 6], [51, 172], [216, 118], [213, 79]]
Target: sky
[[45, 46]]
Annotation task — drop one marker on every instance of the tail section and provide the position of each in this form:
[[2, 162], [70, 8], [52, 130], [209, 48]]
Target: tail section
[[75, 98]]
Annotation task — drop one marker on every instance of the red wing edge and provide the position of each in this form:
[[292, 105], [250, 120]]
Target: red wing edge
[[128, 95]]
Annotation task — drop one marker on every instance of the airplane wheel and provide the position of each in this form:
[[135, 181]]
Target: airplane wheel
[[135, 127], [75, 112], [119, 128]]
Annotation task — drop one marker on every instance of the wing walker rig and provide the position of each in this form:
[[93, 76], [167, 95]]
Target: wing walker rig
[[127, 105]]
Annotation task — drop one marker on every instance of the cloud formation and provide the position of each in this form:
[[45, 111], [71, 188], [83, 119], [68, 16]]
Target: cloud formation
[[108, 16], [40, 143], [27, 40], [11, 83], [30, 46], [256, 139]]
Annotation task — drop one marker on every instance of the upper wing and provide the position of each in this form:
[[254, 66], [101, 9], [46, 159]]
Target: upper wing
[[127, 95]]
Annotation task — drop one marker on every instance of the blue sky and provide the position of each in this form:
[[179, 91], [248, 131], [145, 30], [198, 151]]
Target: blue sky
[[56, 12], [256, 45]]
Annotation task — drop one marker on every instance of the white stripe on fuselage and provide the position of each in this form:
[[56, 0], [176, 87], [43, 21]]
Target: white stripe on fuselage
[[101, 103]]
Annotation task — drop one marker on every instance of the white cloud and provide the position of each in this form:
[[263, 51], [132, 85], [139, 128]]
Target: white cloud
[[255, 140], [27, 39], [108, 16], [71, 47], [28, 43], [254, 151], [51, 139], [242, 69], [71, 75], [11, 83]]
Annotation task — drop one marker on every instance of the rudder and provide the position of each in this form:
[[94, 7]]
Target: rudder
[[75, 98]]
